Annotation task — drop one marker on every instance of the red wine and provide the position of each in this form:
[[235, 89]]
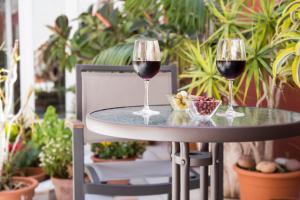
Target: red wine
[[146, 69], [231, 69]]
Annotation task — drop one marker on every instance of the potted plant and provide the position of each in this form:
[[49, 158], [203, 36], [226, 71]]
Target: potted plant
[[117, 151], [279, 179], [56, 153], [28, 163], [28, 160], [266, 27], [12, 188]]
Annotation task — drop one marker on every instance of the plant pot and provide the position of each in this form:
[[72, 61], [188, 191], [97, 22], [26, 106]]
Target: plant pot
[[262, 186], [33, 172], [25, 193], [95, 159], [63, 188]]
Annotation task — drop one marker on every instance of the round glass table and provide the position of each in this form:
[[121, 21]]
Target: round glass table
[[257, 124], [178, 127]]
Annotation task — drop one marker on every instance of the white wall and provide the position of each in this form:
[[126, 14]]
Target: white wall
[[84, 4], [26, 50], [34, 16], [72, 9], [44, 13]]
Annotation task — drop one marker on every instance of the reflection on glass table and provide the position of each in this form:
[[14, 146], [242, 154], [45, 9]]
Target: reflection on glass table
[[182, 118], [253, 117]]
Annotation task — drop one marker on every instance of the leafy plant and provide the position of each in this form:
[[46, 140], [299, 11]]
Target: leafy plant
[[26, 152], [57, 48], [9, 148], [118, 150], [184, 16], [188, 16], [287, 63], [48, 128], [55, 143], [28, 156], [203, 74], [227, 19], [56, 156], [260, 49], [122, 52], [106, 33], [257, 26], [98, 31]]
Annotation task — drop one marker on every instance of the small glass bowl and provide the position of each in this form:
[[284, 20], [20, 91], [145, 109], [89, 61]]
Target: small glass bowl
[[202, 109], [176, 103]]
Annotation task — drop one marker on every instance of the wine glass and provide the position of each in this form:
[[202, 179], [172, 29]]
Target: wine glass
[[231, 62], [146, 63]]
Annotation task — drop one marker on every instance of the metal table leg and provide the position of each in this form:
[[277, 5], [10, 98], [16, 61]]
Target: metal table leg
[[217, 172], [175, 173], [184, 171], [204, 177]]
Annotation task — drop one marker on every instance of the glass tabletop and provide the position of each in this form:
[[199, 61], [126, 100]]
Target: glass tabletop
[[168, 118]]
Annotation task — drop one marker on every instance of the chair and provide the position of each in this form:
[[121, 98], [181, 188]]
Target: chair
[[100, 87]]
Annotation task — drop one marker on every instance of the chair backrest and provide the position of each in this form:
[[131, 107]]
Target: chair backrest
[[100, 87]]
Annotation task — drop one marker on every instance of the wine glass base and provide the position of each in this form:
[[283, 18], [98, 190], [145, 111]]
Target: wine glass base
[[146, 112], [230, 114]]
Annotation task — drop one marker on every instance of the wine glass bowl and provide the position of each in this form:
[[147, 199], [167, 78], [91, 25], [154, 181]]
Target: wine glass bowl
[[146, 63], [231, 69], [146, 69], [231, 62]]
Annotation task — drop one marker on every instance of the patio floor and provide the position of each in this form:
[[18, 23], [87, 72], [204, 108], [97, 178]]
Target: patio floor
[[153, 152]]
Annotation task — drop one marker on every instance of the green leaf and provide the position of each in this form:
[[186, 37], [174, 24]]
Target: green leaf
[[296, 71], [281, 58], [62, 22], [116, 55], [72, 60], [297, 48], [202, 73]]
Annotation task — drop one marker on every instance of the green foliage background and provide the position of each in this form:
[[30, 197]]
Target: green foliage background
[[188, 31]]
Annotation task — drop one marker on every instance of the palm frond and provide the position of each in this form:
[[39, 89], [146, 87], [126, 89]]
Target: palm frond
[[187, 15], [115, 55], [227, 18]]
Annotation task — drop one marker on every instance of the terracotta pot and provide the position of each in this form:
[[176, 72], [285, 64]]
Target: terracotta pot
[[33, 172], [262, 186], [25, 193], [101, 160], [63, 188]]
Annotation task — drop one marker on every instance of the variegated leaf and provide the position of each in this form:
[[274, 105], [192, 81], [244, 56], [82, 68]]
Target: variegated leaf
[[281, 59], [296, 71]]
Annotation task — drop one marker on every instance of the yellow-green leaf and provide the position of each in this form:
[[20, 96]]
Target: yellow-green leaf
[[296, 71], [297, 48], [281, 58]]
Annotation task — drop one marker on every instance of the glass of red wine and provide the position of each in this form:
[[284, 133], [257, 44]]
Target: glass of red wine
[[146, 63], [231, 61]]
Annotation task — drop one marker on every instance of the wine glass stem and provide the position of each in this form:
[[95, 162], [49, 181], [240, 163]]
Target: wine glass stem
[[230, 100], [146, 98]]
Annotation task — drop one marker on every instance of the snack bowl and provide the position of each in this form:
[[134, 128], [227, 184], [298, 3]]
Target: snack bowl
[[177, 104], [202, 108]]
